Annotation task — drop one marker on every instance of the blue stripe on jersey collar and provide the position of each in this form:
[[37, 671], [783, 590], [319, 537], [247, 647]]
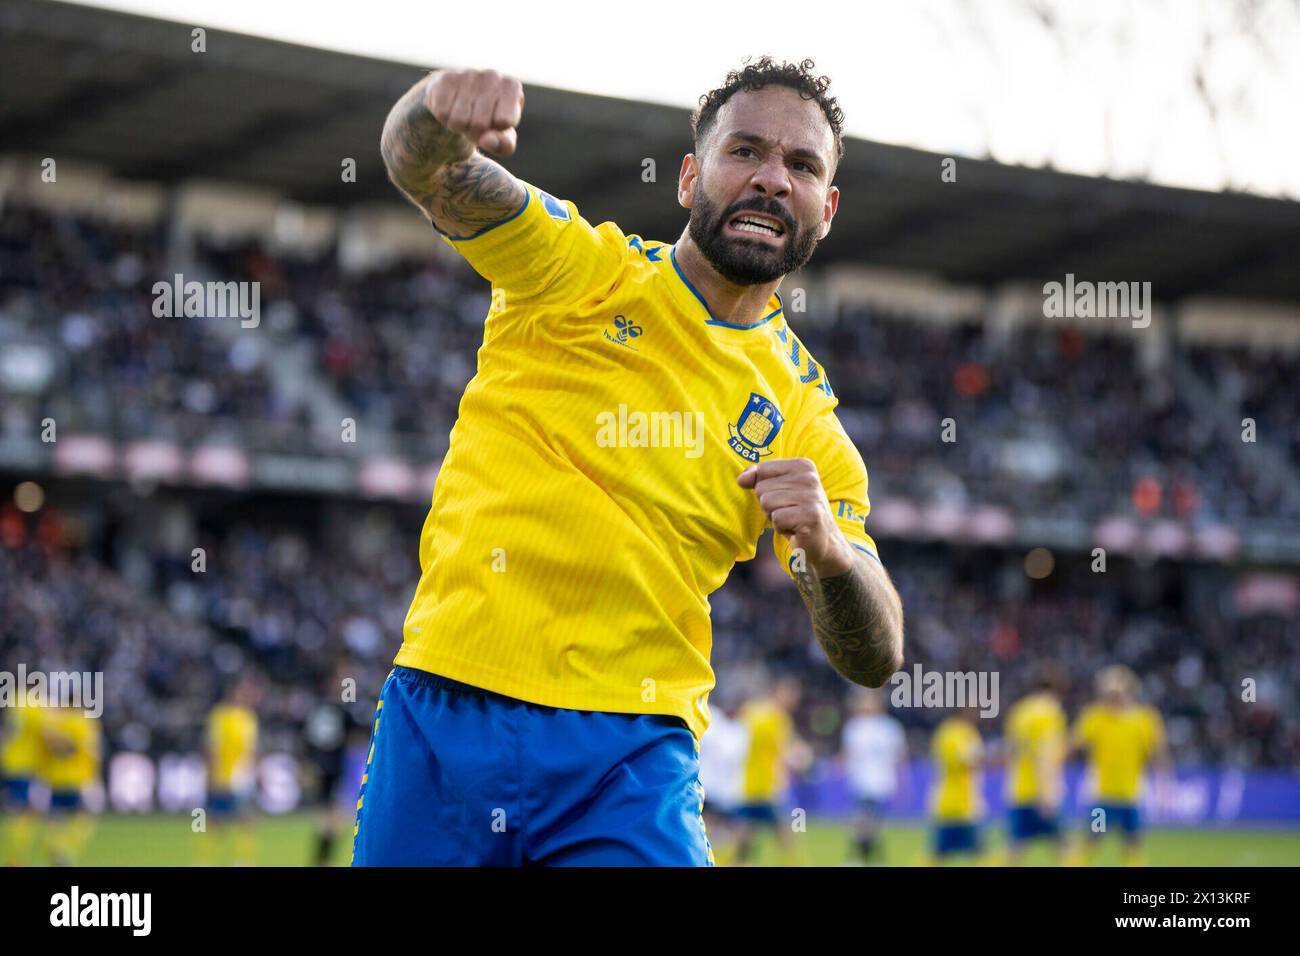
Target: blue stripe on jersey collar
[[672, 254]]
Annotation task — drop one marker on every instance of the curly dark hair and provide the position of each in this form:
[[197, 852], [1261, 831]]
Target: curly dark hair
[[767, 72]]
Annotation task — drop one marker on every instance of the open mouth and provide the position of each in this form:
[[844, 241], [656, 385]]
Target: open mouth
[[757, 224]]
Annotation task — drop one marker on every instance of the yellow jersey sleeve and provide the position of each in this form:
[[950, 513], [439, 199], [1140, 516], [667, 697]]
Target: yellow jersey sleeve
[[770, 730], [1085, 728], [543, 250], [1155, 732], [1055, 733], [956, 747], [20, 742], [844, 478]]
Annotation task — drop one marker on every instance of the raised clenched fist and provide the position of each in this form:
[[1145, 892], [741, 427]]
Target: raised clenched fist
[[481, 105]]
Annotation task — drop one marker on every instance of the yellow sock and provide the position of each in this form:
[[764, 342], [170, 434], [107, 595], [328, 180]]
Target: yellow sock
[[245, 847], [80, 829], [792, 854], [1086, 853], [60, 842], [20, 831], [205, 851]]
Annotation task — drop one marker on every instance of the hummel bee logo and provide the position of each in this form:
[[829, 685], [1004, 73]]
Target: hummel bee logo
[[625, 330]]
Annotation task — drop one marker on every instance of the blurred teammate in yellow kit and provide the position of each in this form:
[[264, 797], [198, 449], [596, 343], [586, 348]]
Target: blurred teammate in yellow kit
[[72, 747], [1036, 743], [774, 748], [956, 802], [232, 751], [1121, 738], [21, 748]]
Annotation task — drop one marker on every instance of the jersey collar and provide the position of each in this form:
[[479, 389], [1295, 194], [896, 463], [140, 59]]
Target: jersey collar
[[775, 305]]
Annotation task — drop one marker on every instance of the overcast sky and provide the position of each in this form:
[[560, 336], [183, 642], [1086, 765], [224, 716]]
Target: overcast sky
[[1199, 93]]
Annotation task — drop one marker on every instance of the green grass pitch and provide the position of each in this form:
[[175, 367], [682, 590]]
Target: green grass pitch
[[159, 840]]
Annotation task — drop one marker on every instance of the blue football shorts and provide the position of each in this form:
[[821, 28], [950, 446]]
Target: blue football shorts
[[461, 776], [1027, 822], [1122, 816], [17, 794], [956, 838], [227, 804], [65, 801]]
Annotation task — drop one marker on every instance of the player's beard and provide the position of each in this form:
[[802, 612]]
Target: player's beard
[[748, 262]]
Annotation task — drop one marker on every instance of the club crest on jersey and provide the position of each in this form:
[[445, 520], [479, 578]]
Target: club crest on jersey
[[753, 432]]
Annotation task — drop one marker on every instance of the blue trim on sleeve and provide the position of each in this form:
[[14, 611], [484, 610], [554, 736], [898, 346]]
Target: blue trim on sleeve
[[867, 551], [528, 194], [790, 561]]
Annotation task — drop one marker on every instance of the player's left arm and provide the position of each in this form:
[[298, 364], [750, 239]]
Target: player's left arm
[[1050, 757], [856, 613], [1161, 758]]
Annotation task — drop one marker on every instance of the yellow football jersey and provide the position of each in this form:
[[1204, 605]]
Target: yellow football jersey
[[232, 744], [21, 745], [957, 750], [1036, 734], [770, 730], [588, 506], [1119, 742], [71, 754]]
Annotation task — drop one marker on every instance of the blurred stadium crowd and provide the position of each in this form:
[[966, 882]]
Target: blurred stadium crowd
[[1052, 422]]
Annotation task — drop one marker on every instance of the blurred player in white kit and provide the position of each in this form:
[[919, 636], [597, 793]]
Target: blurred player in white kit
[[875, 750], [722, 766]]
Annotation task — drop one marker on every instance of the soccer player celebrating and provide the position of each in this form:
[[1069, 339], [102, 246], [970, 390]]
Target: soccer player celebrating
[[956, 802], [1120, 737], [641, 412], [875, 757], [1035, 748]]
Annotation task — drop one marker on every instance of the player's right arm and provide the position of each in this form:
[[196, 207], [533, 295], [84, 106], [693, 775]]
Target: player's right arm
[[431, 144], [1080, 736]]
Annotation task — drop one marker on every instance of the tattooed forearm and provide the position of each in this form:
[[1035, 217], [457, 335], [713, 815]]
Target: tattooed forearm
[[440, 170], [858, 620]]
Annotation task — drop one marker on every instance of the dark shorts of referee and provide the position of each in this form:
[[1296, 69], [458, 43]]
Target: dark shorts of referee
[[461, 776]]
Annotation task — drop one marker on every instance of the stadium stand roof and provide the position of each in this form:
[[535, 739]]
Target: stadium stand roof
[[127, 92]]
